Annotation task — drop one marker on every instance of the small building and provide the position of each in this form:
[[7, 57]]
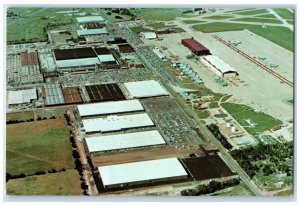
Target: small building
[[219, 67], [149, 35], [195, 47], [144, 172]]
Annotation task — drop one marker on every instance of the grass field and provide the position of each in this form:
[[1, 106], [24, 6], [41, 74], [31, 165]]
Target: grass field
[[202, 114], [60, 183], [38, 146], [290, 22], [279, 35], [30, 23], [274, 21], [213, 105], [161, 14], [217, 17], [268, 16], [284, 13], [161, 25], [221, 115], [192, 21], [239, 10], [239, 190], [242, 112], [252, 12], [19, 116]]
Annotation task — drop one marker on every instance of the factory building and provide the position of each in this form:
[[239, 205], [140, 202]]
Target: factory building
[[108, 108], [54, 95], [144, 172], [219, 67], [148, 35], [116, 142], [21, 96], [117, 123], [89, 19], [195, 47], [158, 53], [144, 89], [85, 32]]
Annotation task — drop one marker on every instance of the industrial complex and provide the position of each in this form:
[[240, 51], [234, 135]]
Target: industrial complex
[[151, 107]]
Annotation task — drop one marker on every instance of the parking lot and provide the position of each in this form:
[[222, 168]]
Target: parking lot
[[173, 124]]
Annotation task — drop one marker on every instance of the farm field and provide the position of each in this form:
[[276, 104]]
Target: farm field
[[66, 183], [242, 112], [19, 116], [38, 146], [28, 24], [281, 36]]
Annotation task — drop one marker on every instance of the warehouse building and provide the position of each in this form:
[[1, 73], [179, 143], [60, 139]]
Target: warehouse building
[[104, 92], [75, 58], [117, 123], [54, 95], [148, 35], [195, 46], [145, 172], [158, 53], [144, 89], [219, 67], [124, 141], [89, 19], [85, 32], [106, 108], [21, 96]]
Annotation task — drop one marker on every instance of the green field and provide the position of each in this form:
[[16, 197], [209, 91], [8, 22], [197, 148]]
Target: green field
[[202, 114], [213, 105], [239, 10], [239, 190], [217, 17], [160, 14], [60, 183], [252, 12], [268, 16], [242, 112], [19, 116], [274, 21], [38, 146], [284, 13], [192, 21], [221, 115], [30, 24], [290, 22], [279, 35]]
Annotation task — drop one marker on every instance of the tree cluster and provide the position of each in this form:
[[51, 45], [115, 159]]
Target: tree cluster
[[216, 132]]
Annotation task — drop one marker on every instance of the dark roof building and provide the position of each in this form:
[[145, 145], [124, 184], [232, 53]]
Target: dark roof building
[[195, 46]]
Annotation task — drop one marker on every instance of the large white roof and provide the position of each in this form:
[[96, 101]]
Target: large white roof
[[219, 64], [106, 58], [116, 123], [21, 96], [149, 88], [87, 19], [122, 141], [84, 32], [149, 35], [77, 62], [109, 107], [141, 171]]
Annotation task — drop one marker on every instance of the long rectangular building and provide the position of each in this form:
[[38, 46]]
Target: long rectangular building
[[109, 108], [124, 141], [21, 96], [122, 175], [117, 123], [195, 46], [143, 89]]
